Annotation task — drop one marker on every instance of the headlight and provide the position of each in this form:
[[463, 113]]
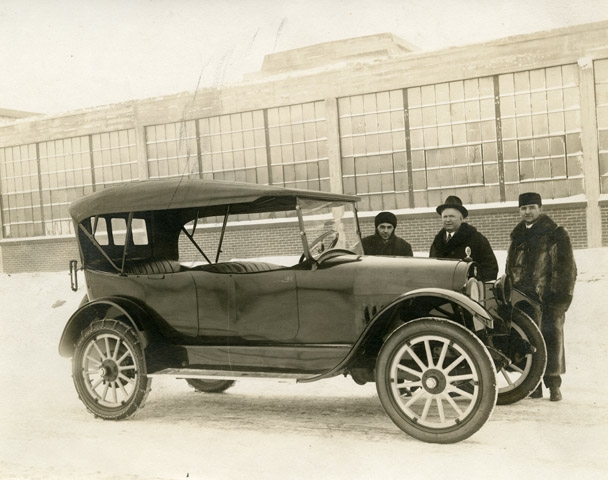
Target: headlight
[[474, 290]]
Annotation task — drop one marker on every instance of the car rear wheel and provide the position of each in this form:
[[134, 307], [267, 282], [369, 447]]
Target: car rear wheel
[[109, 371], [517, 380], [436, 380], [210, 386]]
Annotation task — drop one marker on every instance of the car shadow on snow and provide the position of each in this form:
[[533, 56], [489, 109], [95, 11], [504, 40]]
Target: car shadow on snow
[[317, 415], [317, 412]]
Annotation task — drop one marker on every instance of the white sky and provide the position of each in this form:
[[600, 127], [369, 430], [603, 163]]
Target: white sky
[[62, 55]]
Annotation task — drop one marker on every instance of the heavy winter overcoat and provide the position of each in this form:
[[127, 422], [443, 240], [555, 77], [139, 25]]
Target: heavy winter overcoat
[[395, 246], [467, 236], [541, 263]]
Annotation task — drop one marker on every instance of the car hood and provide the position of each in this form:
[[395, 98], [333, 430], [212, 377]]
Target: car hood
[[392, 276]]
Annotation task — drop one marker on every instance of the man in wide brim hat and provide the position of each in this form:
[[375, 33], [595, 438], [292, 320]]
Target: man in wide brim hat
[[453, 202], [457, 238]]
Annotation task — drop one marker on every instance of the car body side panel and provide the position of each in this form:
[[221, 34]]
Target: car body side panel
[[325, 304], [173, 297], [267, 306], [104, 284], [300, 358], [249, 306], [338, 300], [215, 294]]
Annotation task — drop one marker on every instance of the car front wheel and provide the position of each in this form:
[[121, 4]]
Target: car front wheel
[[436, 380], [108, 370]]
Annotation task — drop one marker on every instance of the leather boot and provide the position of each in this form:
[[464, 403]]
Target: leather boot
[[555, 394], [538, 393]]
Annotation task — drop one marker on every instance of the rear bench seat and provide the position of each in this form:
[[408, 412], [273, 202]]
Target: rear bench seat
[[152, 267], [239, 267]]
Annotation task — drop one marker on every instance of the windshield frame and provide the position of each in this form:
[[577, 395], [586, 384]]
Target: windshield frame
[[340, 212]]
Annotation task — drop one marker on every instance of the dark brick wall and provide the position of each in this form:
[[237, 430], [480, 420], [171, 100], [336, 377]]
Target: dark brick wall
[[38, 255], [604, 210], [54, 254]]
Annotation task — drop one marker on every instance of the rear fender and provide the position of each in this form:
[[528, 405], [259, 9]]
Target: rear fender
[[121, 308]]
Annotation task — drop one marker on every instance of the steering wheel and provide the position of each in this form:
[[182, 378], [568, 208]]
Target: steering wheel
[[318, 245], [336, 252]]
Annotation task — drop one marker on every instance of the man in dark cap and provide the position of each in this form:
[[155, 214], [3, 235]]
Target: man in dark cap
[[384, 241], [458, 240], [540, 262]]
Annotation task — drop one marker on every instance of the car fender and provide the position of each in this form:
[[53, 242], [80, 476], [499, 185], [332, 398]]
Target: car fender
[[381, 321], [478, 311], [130, 311]]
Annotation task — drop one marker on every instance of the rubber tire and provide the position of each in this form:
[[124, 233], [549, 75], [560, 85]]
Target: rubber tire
[[210, 386], [524, 327], [140, 388], [480, 407]]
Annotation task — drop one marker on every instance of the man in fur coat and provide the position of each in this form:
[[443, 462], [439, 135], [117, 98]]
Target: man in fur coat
[[540, 262], [384, 241], [456, 236]]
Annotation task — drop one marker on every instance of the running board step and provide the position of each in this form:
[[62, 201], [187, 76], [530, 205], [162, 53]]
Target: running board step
[[228, 374]]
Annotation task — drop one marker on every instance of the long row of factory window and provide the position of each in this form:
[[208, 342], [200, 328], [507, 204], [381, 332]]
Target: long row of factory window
[[483, 139]]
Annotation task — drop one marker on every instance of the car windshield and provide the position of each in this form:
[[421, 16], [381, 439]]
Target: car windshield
[[321, 224], [329, 226]]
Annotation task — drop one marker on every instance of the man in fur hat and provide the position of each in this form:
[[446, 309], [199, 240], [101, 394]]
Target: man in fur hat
[[540, 262], [458, 240], [384, 241]]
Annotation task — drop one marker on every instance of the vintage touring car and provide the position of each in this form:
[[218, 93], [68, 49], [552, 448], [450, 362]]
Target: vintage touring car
[[442, 346]]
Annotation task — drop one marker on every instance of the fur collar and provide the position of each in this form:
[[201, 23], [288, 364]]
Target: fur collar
[[543, 226]]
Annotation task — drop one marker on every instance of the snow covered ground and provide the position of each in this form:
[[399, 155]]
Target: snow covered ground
[[333, 429]]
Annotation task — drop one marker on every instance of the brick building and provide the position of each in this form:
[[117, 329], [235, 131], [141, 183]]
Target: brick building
[[373, 116]]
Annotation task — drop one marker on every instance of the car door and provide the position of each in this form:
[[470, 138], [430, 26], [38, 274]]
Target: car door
[[215, 293], [257, 306], [326, 305], [266, 305]]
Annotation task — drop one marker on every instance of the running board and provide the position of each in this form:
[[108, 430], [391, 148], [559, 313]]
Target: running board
[[229, 374]]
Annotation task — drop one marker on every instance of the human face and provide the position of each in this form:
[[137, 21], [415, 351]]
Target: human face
[[385, 230], [451, 219], [530, 213]]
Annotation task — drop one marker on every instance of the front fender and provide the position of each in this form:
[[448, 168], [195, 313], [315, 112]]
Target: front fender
[[479, 312], [373, 332], [129, 310]]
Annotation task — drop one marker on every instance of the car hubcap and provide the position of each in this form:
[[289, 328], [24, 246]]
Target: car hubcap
[[434, 381], [108, 371]]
